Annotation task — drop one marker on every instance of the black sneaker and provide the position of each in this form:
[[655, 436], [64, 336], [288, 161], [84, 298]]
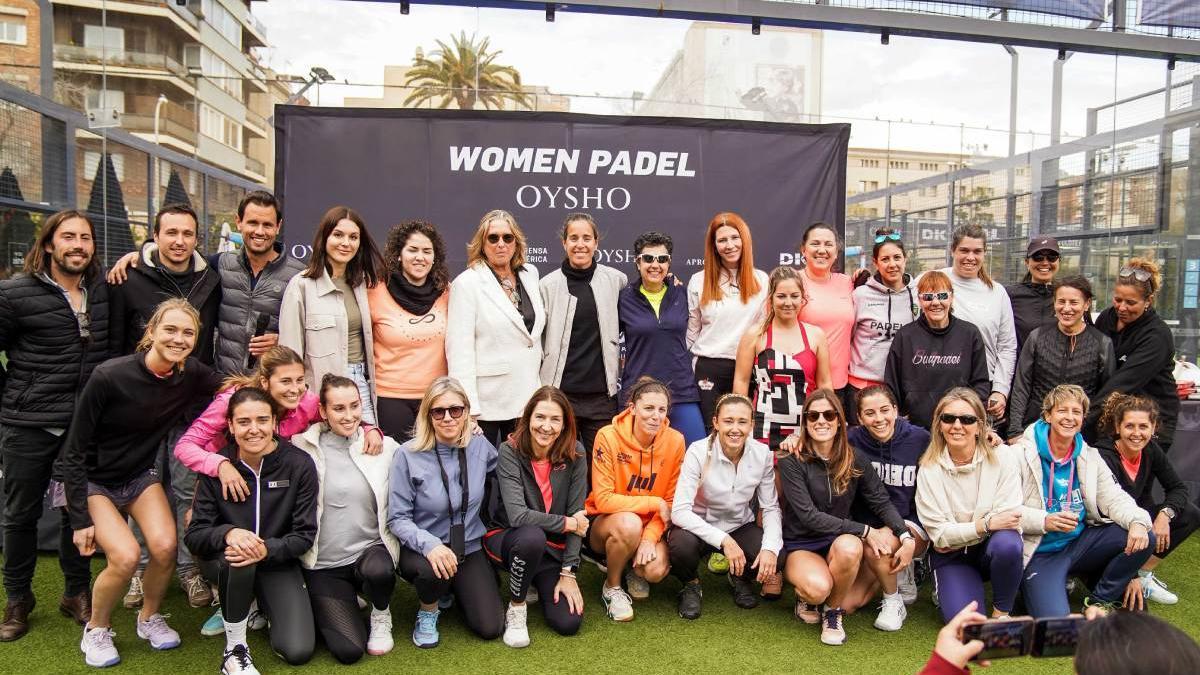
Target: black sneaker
[[689, 601], [743, 592]]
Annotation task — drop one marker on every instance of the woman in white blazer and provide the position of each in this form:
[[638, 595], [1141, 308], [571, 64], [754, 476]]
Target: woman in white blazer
[[324, 316], [494, 333], [354, 552]]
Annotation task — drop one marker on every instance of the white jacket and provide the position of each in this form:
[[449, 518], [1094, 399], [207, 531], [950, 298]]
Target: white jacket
[[606, 286], [488, 349], [373, 467], [1103, 497], [951, 498], [313, 322], [714, 498]]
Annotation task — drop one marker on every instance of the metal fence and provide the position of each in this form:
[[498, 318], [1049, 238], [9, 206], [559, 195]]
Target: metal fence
[[50, 160]]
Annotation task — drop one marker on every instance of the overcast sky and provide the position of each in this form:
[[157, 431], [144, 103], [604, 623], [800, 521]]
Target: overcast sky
[[919, 81]]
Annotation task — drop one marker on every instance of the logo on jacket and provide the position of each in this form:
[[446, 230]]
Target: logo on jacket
[[641, 483], [923, 358], [624, 457], [898, 475]]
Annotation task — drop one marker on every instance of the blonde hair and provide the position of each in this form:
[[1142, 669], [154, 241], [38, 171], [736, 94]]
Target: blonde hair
[[937, 442], [778, 276], [475, 247], [1148, 287], [160, 313], [424, 437], [1063, 393]]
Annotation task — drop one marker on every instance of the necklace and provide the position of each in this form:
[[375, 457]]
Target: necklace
[[510, 289]]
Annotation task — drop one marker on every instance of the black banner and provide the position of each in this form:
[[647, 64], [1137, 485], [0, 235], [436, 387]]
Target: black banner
[[632, 174]]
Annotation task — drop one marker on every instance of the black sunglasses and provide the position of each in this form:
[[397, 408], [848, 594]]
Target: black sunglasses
[[456, 411], [827, 415], [650, 258], [965, 420], [891, 236], [1044, 256], [1135, 272], [507, 237], [930, 297]]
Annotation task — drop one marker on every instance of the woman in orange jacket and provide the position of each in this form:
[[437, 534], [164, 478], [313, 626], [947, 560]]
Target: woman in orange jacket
[[635, 466]]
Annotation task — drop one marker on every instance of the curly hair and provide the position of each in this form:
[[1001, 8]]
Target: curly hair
[[1117, 405], [398, 237]]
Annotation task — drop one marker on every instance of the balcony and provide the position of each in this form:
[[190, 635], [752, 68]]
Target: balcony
[[174, 120], [256, 167], [123, 58], [257, 123], [255, 32]]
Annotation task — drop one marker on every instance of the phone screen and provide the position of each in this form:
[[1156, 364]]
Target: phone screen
[[1001, 638], [1057, 637]]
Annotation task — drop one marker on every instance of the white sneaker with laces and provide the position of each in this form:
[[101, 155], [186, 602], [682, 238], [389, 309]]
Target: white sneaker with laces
[[258, 620], [906, 583], [237, 662], [639, 588], [892, 613], [516, 632], [618, 603], [380, 640], [156, 630], [98, 648], [1156, 591]]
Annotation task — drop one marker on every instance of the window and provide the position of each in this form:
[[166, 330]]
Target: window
[[111, 98], [12, 31], [102, 37], [929, 166], [221, 73], [219, 127], [91, 162], [223, 21], [869, 163], [895, 164]]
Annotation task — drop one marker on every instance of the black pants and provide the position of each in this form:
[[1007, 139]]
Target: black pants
[[474, 588], [397, 416], [714, 377], [523, 553], [686, 550], [1182, 525], [593, 412], [28, 456], [496, 432], [335, 605], [280, 592]]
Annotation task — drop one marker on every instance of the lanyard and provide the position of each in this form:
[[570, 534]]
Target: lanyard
[[1050, 482], [462, 480]]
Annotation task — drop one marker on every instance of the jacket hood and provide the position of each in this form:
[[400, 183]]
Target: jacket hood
[[875, 283], [199, 263], [623, 425]]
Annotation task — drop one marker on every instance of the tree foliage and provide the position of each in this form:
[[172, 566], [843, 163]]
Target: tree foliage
[[464, 73]]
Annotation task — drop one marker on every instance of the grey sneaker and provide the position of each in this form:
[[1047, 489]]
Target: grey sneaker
[[617, 603], [196, 589], [98, 648], [906, 583], [133, 597], [639, 588], [157, 632]]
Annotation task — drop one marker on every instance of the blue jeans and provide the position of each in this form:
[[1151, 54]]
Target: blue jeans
[[1097, 551], [687, 420], [958, 576]]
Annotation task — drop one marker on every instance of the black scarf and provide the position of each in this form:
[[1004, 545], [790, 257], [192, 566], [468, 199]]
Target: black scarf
[[416, 300], [584, 275]]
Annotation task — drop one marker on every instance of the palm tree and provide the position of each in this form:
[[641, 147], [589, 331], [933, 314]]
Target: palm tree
[[465, 74]]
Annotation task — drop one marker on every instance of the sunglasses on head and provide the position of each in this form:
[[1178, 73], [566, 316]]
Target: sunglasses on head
[[650, 258], [930, 297], [891, 236], [508, 238], [1135, 272], [827, 415], [1044, 256], [456, 411], [965, 420]]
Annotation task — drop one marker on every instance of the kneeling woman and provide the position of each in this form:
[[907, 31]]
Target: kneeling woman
[[256, 544], [969, 501], [635, 468], [723, 479], [354, 550], [109, 468], [541, 525], [1076, 518], [436, 488], [820, 484]]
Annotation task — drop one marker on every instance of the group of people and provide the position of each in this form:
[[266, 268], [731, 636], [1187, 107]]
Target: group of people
[[294, 435]]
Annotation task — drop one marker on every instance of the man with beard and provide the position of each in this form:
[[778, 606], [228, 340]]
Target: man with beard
[[54, 329]]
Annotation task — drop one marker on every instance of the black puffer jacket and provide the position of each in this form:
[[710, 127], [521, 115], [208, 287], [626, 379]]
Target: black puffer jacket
[[1050, 358], [48, 360], [1032, 306]]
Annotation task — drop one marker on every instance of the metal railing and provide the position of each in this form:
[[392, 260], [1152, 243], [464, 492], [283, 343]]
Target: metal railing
[[119, 57]]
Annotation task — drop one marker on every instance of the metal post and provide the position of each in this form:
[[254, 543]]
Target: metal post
[[1118, 16], [162, 98], [1010, 199], [1089, 172]]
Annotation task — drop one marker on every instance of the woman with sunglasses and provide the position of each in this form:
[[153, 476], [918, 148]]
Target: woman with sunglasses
[[969, 501], [1069, 352], [724, 299], [1144, 347], [828, 299], [653, 313], [494, 333], [935, 353], [883, 305], [408, 323], [985, 304], [824, 545], [1076, 518], [1033, 298], [323, 309], [437, 488], [582, 354]]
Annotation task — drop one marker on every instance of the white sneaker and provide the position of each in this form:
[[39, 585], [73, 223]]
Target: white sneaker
[[639, 588], [257, 620], [237, 662], [1156, 591], [892, 613], [906, 583], [380, 640], [531, 595], [156, 630], [97, 647], [618, 603], [516, 632]]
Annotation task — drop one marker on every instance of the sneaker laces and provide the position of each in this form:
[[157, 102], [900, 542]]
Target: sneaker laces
[[241, 656], [833, 618], [194, 584], [617, 593], [155, 624], [426, 621], [97, 637], [1151, 578], [135, 585]]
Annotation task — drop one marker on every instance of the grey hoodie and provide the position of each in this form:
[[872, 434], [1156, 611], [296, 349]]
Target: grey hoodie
[[879, 313]]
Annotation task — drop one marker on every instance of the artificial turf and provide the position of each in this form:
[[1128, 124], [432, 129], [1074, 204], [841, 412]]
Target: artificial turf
[[724, 639]]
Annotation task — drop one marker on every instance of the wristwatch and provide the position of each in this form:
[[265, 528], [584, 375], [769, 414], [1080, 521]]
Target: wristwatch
[[1168, 512], [905, 537]]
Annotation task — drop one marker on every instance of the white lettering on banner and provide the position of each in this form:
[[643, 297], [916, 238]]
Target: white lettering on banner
[[614, 255], [301, 251], [494, 159], [922, 358], [573, 197], [537, 254], [642, 163], [788, 259]]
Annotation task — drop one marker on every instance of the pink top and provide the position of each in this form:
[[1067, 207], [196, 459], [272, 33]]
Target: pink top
[[197, 448], [831, 308], [541, 474]]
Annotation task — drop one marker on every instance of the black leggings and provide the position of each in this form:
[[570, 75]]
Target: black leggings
[[1182, 526], [474, 587], [686, 549], [497, 431], [281, 597], [523, 553], [335, 605], [714, 378], [397, 416]]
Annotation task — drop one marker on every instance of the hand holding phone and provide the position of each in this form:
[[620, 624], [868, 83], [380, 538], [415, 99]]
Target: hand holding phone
[[1024, 636]]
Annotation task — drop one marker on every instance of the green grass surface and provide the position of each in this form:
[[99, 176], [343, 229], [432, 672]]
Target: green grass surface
[[725, 638]]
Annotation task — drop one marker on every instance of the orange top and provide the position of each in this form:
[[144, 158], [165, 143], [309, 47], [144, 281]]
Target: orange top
[[410, 350], [626, 477]]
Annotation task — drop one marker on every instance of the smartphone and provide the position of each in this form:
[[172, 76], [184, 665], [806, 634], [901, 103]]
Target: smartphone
[[1057, 636], [1002, 638]]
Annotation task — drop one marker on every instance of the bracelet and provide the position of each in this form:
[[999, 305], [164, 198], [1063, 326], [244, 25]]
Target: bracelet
[[568, 575], [986, 529]]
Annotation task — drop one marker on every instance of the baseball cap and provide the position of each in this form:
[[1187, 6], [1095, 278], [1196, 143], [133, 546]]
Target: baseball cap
[[1042, 244]]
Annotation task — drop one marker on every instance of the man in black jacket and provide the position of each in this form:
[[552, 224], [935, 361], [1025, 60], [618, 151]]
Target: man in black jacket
[[54, 329]]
